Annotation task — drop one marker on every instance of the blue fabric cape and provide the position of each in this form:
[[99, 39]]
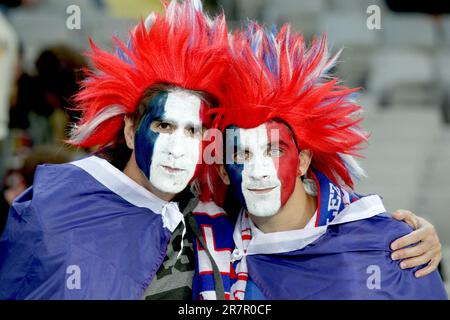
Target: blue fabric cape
[[69, 224], [349, 260]]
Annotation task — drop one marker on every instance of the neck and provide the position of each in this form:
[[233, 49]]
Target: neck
[[132, 170], [294, 215]]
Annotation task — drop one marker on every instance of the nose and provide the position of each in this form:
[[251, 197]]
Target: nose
[[176, 146], [260, 168]]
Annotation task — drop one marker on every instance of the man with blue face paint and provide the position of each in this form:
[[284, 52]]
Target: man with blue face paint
[[167, 142], [301, 231], [113, 225]]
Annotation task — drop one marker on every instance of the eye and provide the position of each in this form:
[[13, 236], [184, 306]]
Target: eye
[[275, 152], [162, 127], [241, 156], [194, 132]]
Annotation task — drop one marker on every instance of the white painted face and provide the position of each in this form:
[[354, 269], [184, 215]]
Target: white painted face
[[177, 153], [260, 185], [172, 141]]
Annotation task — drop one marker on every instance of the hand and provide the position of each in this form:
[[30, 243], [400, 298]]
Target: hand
[[426, 251]]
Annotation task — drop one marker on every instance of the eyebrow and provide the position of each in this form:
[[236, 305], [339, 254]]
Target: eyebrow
[[174, 121], [279, 142]]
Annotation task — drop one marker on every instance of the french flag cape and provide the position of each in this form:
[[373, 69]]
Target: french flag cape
[[344, 254], [84, 230]]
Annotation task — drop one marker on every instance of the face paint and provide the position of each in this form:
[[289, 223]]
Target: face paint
[[234, 168], [168, 140], [265, 165]]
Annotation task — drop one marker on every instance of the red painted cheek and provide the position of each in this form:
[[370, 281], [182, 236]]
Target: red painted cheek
[[288, 163], [205, 119], [287, 166]]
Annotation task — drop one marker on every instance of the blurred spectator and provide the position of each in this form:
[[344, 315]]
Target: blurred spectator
[[41, 103], [8, 54], [18, 180], [23, 96], [60, 70]]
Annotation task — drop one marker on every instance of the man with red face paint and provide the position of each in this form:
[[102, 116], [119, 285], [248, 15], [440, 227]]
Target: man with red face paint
[[301, 231], [262, 162]]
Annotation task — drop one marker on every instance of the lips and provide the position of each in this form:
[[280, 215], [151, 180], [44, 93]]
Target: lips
[[172, 170], [261, 190]]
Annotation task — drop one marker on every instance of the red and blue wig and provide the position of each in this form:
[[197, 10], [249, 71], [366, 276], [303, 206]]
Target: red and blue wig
[[182, 47], [276, 76]]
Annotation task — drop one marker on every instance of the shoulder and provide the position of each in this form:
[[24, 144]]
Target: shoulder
[[56, 176], [63, 196], [58, 184], [376, 232], [50, 181], [384, 225]]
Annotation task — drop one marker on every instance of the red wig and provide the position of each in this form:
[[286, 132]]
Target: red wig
[[183, 47], [275, 76]]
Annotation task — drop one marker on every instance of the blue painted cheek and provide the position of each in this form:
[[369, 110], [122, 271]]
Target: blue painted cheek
[[234, 170], [235, 173], [144, 144], [145, 138]]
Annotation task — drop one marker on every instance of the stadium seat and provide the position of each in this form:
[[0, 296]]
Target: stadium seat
[[354, 6], [348, 31], [403, 30], [101, 27], [302, 14], [400, 75], [446, 30], [252, 9]]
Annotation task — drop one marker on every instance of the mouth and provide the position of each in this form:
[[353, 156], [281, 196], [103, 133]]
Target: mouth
[[172, 170], [261, 190]]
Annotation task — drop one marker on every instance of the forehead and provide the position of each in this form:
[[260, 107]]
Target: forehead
[[182, 107], [269, 132]]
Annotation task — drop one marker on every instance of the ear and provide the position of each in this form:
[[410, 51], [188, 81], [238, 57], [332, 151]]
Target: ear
[[305, 157], [220, 168], [128, 132]]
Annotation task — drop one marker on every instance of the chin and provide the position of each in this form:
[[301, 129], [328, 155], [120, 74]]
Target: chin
[[172, 186], [263, 209], [263, 205], [169, 183], [169, 186]]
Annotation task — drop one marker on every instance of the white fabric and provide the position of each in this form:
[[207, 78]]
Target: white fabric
[[182, 238], [122, 185]]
